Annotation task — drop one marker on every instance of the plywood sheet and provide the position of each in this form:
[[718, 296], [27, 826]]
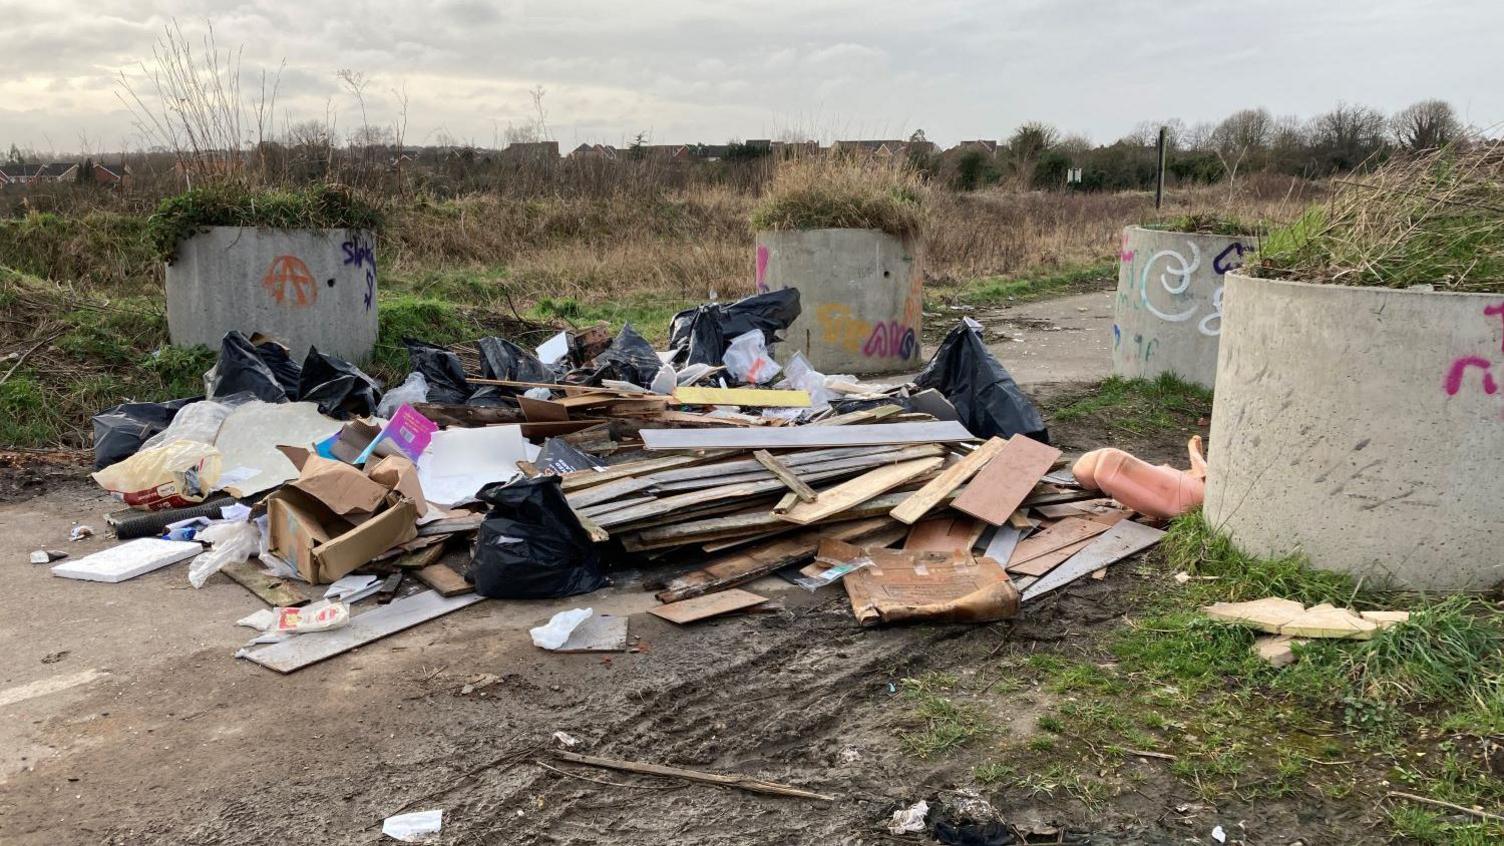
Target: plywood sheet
[[791, 437], [1121, 541], [1002, 486], [302, 650], [921, 501]]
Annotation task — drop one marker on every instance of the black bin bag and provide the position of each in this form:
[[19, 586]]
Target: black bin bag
[[120, 431], [699, 335], [340, 388], [244, 367], [987, 400], [531, 546], [442, 369], [630, 358]]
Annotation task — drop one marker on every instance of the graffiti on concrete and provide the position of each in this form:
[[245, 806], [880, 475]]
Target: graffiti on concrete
[[1141, 349], [762, 268], [1456, 375], [839, 327], [290, 283], [1175, 275], [360, 251], [891, 340], [1225, 261]]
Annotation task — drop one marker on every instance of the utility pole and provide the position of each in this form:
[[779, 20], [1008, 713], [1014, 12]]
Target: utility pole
[[1159, 176]]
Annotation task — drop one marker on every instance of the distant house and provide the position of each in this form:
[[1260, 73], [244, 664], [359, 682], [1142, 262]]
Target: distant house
[[885, 149], [28, 174], [111, 175], [531, 151], [703, 152], [983, 146], [593, 151]]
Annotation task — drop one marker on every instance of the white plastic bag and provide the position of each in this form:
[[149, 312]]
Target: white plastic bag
[[538, 393], [414, 389], [233, 542], [665, 381], [415, 827], [318, 616], [553, 635], [197, 421], [747, 358]]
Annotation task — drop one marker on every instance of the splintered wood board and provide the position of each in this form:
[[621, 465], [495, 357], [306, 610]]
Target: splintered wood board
[[754, 562], [921, 501], [588, 478], [793, 437], [778, 468], [1120, 541], [999, 488], [1044, 562], [284, 593], [444, 579], [755, 397], [299, 651], [709, 605], [857, 491], [944, 534], [1068, 532]]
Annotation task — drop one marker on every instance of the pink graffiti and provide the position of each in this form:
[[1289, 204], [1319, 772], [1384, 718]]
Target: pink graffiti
[[1124, 253], [890, 340], [762, 268], [1459, 370], [1495, 310]]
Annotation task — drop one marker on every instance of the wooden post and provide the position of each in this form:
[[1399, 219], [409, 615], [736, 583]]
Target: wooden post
[[1159, 176]]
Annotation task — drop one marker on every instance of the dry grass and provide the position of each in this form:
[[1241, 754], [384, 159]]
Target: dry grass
[[836, 191], [1436, 218]]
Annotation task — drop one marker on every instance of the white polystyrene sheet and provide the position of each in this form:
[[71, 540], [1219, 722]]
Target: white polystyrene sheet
[[127, 560], [459, 462]]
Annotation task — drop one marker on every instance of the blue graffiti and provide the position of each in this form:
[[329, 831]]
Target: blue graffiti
[[1221, 264], [360, 250]]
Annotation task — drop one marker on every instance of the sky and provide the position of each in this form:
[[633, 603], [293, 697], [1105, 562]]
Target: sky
[[713, 70]]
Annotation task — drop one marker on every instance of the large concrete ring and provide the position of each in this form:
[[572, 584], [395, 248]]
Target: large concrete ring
[[1168, 311], [1362, 427], [303, 286], [861, 292]]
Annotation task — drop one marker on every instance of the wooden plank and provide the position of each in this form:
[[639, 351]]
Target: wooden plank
[[1043, 563], [944, 534], [609, 491], [739, 781], [298, 652], [927, 497], [594, 511], [595, 389], [748, 564], [788, 501], [851, 418], [1121, 541], [704, 607], [589, 478], [542, 411], [754, 397], [809, 472], [596, 532], [859, 490], [791, 437], [422, 558], [785, 475], [999, 488], [283, 593], [797, 458], [1070, 531], [444, 580]]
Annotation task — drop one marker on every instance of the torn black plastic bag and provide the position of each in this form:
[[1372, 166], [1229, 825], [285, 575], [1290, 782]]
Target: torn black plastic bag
[[279, 361], [502, 359], [559, 456], [987, 400], [700, 335], [531, 546], [339, 387], [243, 368], [120, 431], [631, 358], [443, 371]]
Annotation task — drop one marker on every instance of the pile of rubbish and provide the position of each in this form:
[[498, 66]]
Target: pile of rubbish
[[493, 471]]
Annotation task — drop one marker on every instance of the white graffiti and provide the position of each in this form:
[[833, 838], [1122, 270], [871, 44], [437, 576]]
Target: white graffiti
[[1215, 315], [1176, 266]]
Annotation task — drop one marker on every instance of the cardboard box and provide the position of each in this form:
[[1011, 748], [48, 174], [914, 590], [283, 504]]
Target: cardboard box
[[334, 518]]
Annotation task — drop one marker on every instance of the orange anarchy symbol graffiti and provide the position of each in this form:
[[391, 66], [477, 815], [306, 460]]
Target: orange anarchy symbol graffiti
[[289, 272]]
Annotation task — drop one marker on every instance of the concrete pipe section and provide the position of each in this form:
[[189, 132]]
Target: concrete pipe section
[[1168, 312], [1362, 427], [303, 286], [861, 292]]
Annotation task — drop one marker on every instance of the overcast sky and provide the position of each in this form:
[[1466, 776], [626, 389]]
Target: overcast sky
[[711, 70]]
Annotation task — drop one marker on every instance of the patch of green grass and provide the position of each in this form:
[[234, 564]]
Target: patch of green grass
[[437, 321], [943, 723], [649, 315], [232, 204], [1207, 223], [1139, 406], [996, 289], [1193, 545], [104, 249]]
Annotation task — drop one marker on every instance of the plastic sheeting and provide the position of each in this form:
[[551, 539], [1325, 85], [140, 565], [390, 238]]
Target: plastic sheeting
[[700, 335], [531, 546], [341, 389], [443, 371], [987, 400], [246, 368]]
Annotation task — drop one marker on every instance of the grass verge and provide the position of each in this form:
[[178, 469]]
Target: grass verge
[[1138, 406], [997, 290]]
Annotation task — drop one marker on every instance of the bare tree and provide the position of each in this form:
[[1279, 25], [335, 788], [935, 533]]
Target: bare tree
[[1347, 136], [1027, 145], [1198, 136], [1427, 125]]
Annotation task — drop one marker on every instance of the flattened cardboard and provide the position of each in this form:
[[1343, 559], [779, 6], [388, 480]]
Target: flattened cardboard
[[341, 487], [903, 587], [397, 473]]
